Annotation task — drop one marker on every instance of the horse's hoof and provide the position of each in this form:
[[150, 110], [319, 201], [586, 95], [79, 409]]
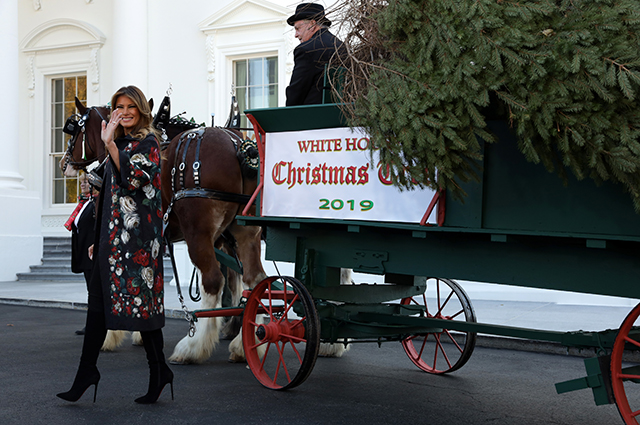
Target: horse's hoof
[[179, 362], [234, 358], [136, 339], [334, 350]]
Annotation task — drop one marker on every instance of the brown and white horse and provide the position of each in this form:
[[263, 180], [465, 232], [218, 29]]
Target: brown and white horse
[[197, 220]]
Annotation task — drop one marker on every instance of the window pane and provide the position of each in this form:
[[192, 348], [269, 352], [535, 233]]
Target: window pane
[[272, 70], [57, 91], [273, 96], [241, 97], [255, 72], [69, 109], [58, 115], [69, 89], [57, 173], [256, 97], [72, 190], [58, 192], [57, 141], [82, 88], [241, 73]]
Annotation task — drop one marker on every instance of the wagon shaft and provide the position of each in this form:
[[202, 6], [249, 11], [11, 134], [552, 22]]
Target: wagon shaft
[[390, 323]]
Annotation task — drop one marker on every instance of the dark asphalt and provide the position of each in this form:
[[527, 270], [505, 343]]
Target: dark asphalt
[[369, 385]]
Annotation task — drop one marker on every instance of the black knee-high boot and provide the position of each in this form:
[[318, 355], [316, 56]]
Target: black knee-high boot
[[159, 373], [88, 374]]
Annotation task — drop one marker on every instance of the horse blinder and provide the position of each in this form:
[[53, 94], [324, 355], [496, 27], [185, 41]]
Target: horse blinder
[[72, 126]]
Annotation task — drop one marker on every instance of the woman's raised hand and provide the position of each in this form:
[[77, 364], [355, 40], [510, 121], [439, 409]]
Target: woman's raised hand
[[109, 129], [108, 137]]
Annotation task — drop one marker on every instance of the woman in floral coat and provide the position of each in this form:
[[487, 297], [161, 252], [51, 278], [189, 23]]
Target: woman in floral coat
[[126, 290]]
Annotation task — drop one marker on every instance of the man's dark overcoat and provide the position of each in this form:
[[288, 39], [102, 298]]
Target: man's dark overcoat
[[310, 58], [129, 238]]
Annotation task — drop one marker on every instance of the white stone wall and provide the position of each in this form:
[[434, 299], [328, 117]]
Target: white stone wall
[[155, 44]]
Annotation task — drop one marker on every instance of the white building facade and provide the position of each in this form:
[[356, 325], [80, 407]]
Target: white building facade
[[55, 50]]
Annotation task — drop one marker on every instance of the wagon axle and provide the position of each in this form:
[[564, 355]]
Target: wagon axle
[[284, 331]]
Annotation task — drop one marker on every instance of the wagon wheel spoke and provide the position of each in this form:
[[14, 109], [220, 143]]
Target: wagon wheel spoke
[[632, 341], [453, 341], [625, 375], [281, 363], [284, 364], [440, 348], [282, 350], [266, 308], [425, 304], [453, 316], [449, 302], [258, 344], [628, 376], [293, 337], [441, 307], [424, 344], [289, 306], [295, 350], [266, 354]]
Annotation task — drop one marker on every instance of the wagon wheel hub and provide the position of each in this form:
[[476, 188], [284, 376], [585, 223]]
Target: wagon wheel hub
[[284, 330]]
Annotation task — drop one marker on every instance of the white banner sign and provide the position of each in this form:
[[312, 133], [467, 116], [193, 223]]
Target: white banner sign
[[329, 173]]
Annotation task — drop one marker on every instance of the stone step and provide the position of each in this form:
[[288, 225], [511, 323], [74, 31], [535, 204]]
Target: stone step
[[51, 268], [60, 252], [54, 245], [51, 277], [56, 263]]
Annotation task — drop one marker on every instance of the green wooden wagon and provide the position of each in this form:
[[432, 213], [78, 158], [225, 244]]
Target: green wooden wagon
[[520, 225]]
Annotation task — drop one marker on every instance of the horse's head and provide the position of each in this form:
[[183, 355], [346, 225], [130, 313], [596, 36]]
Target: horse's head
[[85, 145]]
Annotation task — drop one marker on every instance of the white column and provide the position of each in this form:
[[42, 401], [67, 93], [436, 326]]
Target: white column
[[10, 178], [130, 44], [20, 209]]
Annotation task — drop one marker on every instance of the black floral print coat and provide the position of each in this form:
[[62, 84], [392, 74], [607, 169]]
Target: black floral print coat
[[130, 238]]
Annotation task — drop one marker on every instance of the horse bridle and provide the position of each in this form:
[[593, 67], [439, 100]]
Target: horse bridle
[[75, 125]]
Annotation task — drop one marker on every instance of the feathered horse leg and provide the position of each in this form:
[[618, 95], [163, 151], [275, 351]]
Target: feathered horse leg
[[339, 348], [200, 242]]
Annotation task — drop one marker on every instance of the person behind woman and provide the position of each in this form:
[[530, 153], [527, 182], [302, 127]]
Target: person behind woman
[[82, 224], [126, 289]]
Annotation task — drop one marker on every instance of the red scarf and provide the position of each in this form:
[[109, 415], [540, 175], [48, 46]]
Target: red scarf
[[82, 199]]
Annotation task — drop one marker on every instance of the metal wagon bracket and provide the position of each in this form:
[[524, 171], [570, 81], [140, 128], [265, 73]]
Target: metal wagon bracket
[[598, 379]]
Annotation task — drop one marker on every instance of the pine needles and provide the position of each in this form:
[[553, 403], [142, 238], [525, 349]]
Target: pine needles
[[423, 76]]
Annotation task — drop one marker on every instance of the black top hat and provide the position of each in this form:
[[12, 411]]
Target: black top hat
[[310, 11]]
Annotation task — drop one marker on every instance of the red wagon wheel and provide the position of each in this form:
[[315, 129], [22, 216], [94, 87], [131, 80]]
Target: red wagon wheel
[[625, 376], [280, 332], [443, 351]]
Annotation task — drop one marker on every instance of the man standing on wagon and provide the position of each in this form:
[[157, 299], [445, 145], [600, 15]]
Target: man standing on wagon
[[316, 47]]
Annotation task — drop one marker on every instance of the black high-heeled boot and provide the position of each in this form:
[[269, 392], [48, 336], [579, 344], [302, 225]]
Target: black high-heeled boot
[[159, 373], [86, 377], [88, 374]]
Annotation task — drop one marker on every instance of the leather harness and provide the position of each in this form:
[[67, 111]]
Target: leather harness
[[177, 181]]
